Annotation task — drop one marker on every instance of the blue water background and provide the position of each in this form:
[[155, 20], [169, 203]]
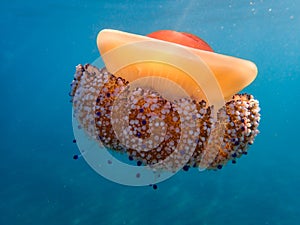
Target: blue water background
[[40, 184]]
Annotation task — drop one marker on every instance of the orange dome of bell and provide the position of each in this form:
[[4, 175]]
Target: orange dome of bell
[[181, 38]]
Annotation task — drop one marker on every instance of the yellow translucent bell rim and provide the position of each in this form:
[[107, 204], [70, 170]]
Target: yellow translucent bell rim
[[202, 74]]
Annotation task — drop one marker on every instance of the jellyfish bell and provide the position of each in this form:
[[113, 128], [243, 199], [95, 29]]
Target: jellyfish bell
[[167, 101], [232, 74]]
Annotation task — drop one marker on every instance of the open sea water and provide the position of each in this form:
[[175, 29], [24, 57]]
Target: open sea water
[[40, 184]]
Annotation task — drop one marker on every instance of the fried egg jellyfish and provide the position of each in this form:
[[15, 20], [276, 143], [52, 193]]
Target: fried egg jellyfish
[[166, 101]]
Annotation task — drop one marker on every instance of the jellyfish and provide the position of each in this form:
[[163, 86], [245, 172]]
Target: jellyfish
[[167, 102]]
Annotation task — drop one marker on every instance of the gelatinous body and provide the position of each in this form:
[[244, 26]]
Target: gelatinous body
[[166, 109]]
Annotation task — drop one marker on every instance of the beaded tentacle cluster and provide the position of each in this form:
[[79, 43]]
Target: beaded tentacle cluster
[[149, 113]]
